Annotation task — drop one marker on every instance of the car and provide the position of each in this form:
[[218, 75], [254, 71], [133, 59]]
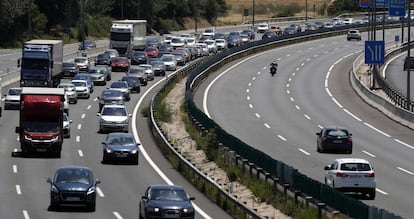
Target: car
[[211, 45], [351, 175], [311, 27], [289, 31], [87, 78], [152, 52], [107, 71], [123, 87], [233, 41], [297, 27], [139, 57], [120, 146], [179, 56], [353, 34], [98, 75], [66, 125], [348, 21], [190, 41], [82, 62], [12, 98], [82, 88], [170, 62], [153, 42], [249, 32], [66, 103], [73, 185], [219, 35], [177, 42], [70, 69], [103, 59], [166, 201], [263, 27], [140, 73], [110, 96], [166, 47], [167, 39], [119, 64], [277, 30], [269, 34], [185, 53], [209, 32], [204, 49], [113, 117], [133, 83], [329, 25], [149, 71], [70, 92], [112, 53], [158, 67], [319, 24], [221, 44], [334, 138], [87, 44]]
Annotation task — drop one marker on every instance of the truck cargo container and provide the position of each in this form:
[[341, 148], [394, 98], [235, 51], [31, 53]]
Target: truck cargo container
[[128, 35]]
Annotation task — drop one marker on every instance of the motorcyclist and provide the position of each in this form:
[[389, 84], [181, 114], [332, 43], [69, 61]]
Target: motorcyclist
[[273, 68]]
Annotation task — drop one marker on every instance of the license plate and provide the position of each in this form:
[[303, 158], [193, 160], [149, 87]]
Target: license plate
[[122, 155], [355, 176], [73, 198], [41, 150], [337, 141]]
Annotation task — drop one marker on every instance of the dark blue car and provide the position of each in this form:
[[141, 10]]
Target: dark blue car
[[120, 146]]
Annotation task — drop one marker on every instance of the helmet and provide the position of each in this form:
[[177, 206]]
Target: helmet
[[274, 63]]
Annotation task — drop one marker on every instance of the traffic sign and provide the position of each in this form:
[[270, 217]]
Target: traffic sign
[[378, 3], [396, 8], [374, 52]]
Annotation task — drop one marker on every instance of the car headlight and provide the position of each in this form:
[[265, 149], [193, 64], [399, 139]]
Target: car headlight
[[54, 189], [56, 138], [156, 209], [28, 138], [91, 191], [134, 151], [185, 210], [108, 150]]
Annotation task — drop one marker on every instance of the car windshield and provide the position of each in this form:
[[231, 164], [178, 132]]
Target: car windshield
[[121, 140], [66, 86], [15, 91], [130, 79], [355, 167], [80, 60], [111, 93], [118, 85], [41, 126], [114, 111], [79, 84], [168, 195], [69, 65], [74, 176], [137, 70]]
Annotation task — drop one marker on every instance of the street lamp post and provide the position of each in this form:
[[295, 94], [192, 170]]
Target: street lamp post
[[408, 55], [253, 12]]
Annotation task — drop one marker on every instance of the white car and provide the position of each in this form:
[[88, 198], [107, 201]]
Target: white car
[[70, 92], [113, 118], [82, 63], [149, 71], [204, 49], [66, 125], [221, 44], [211, 45], [351, 175], [82, 88], [263, 28], [190, 41], [12, 98], [177, 42], [170, 62], [209, 32]]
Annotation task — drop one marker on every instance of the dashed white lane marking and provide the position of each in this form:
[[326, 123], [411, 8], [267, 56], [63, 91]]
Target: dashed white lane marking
[[83, 116], [259, 73], [78, 138], [290, 79], [89, 107], [293, 74], [377, 130], [267, 126], [303, 151], [254, 78], [306, 116], [117, 215], [251, 106], [257, 115], [403, 143], [281, 137], [249, 84], [287, 85], [248, 97], [80, 153], [96, 98], [381, 191], [291, 99], [287, 91], [321, 127], [367, 153], [247, 90], [100, 193], [16, 150], [26, 214], [297, 107], [14, 168], [18, 190], [405, 171], [79, 126]]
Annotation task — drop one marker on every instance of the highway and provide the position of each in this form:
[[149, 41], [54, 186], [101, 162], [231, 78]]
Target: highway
[[280, 115], [25, 192], [396, 77]]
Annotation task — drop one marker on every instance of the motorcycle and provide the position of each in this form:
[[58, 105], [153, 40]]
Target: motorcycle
[[273, 70]]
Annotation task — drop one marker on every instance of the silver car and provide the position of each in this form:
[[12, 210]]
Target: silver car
[[149, 71], [70, 92], [98, 75], [82, 62], [113, 118], [12, 98], [123, 87]]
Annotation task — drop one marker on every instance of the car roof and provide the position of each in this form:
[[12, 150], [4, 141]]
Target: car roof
[[334, 127], [351, 160], [74, 167]]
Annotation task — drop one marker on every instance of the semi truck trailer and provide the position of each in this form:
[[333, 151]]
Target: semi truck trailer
[[128, 35]]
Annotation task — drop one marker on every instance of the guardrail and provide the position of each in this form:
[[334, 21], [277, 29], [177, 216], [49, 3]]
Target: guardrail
[[286, 175]]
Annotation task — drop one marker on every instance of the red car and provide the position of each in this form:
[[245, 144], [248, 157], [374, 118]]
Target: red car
[[120, 64], [151, 52]]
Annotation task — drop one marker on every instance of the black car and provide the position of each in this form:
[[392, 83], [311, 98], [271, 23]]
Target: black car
[[70, 69], [158, 67], [110, 96], [250, 33], [73, 185], [133, 83], [139, 57], [166, 201], [334, 138], [268, 35], [103, 59], [289, 31], [120, 146], [233, 41]]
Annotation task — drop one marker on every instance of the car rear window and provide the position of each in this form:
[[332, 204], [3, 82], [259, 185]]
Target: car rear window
[[355, 167], [337, 133]]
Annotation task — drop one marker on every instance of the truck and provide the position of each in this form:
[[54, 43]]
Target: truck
[[40, 127], [41, 63], [128, 35]]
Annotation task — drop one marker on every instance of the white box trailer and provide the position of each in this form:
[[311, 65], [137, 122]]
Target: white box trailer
[[128, 35]]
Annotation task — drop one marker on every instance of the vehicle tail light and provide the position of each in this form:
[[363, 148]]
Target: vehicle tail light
[[341, 175], [349, 138], [370, 175]]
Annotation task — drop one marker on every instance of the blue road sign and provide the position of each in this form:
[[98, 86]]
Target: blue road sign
[[374, 52], [396, 8], [369, 3]]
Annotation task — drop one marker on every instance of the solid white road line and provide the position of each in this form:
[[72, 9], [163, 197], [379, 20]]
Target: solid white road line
[[281, 137]]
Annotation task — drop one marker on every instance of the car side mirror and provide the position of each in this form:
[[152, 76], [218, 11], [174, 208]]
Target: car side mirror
[[49, 180], [71, 121], [18, 63], [17, 130], [97, 181], [130, 115], [144, 197], [327, 168], [98, 114], [318, 133], [103, 143], [192, 198]]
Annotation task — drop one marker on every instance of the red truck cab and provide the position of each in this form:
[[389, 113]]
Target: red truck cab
[[41, 120]]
